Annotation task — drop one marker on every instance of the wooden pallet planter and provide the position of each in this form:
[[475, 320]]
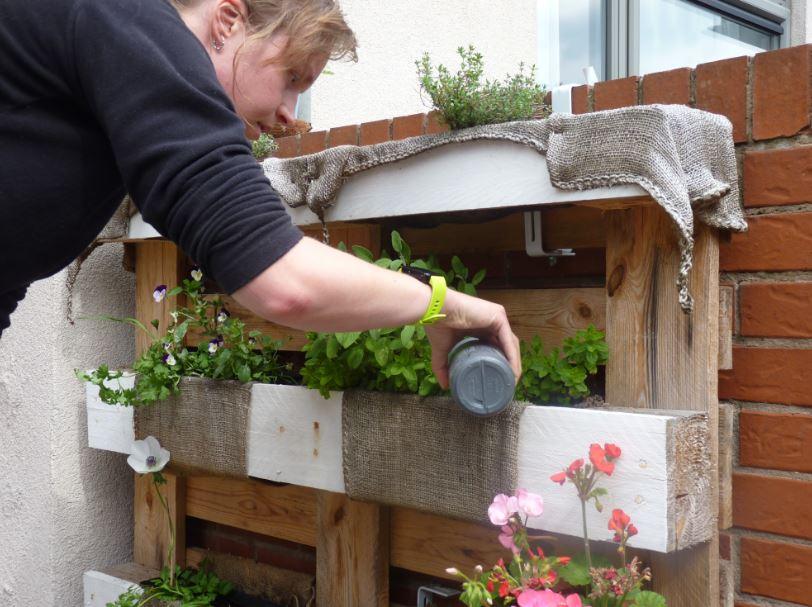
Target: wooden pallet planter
[[663, 363]]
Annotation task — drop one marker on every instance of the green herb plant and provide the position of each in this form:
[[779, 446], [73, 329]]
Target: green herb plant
[[190, 588], [399, 359], [466, 98], [264, 146], [226, 352]]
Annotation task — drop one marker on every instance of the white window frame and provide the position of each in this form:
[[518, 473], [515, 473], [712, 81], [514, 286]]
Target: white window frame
[[622, 33]]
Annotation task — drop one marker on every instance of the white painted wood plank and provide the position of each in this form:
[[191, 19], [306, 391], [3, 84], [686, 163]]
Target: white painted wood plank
[[453, 178], [101, 588], [294, 436], [109, 427]]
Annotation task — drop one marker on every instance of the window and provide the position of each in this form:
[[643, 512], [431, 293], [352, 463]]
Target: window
[[635, 37]]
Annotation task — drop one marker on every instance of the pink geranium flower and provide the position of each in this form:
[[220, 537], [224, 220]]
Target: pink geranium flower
[[506, 539], [548, 598], [502, 508], [529, 503]]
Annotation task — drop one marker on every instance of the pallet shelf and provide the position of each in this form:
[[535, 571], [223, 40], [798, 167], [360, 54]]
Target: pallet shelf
[[662, 360]]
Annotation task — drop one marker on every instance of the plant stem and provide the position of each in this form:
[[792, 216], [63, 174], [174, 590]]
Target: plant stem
[[586, 536], [171, 550]]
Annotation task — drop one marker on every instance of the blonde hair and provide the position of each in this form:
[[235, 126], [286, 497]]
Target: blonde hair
[[315, 28]]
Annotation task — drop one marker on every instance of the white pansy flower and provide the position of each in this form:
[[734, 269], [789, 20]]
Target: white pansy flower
[[197, 274], [148, 456]]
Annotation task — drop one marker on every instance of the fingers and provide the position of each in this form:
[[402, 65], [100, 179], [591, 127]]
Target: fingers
[[510, 347]]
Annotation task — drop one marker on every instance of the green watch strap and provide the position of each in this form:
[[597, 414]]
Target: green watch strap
[[438, 291]]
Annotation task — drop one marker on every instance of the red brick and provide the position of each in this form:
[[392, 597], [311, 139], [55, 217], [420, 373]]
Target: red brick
[[774, 242], [777, 177], [408, 126], [344, 135], [779, 570], [580, 99], [375, 132], [612, 94], [776, 309], [721, 88], [782, 92], [724, 546], [673, 86], [770, 375], [235, 545], [435, 123], [771, 504], [313, 142], [775, 441], [288, 147]]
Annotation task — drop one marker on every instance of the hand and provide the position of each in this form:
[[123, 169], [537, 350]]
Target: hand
[[471, 316]]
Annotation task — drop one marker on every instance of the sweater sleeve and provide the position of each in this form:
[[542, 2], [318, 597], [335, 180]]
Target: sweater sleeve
[[177, 140]]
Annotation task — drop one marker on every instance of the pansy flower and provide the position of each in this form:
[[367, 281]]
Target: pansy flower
[[197, 274], [169, 359], [213, 345], [222, 315], [159, 293]]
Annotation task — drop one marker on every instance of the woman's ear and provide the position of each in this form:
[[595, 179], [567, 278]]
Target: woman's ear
[[229, 18]]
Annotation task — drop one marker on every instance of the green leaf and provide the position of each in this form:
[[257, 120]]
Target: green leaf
[[576, 572], [647, 598], [397, 242], [244, 373], [347, 339], [355, 357], [175, 291], [342, 247], [458, 267], [478, 277], [362, 252], [406, 335], [332, 347]]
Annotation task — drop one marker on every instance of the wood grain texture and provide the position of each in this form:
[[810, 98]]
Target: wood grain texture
[[727, 418], [284, 512], [157, 262], [552, 314], [352, 553], [727, 298], [151, 533], [663, 358]]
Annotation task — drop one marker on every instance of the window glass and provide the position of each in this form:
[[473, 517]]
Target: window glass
[[582, 39], [678, 33]]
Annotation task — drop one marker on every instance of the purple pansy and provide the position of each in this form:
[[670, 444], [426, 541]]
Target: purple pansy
[[159, 293]]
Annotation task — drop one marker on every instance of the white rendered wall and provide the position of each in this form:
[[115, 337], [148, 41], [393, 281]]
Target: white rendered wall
[[394, 33], [65, 508]]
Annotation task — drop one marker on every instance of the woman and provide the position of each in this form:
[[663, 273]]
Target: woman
[[103, 97]]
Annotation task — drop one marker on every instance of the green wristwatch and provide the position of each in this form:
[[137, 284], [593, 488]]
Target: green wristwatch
[[438, 291]]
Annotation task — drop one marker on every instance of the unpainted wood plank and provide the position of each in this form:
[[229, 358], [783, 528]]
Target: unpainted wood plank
[[663, 358], [727, 298], [352, 552], [727, 419], [285, 512], [156, 263], [552, 314], [151, 533]]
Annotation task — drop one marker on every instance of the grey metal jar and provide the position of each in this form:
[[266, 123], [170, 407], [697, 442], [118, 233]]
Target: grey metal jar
[[481, 379]]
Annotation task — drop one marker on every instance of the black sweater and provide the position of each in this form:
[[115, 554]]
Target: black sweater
[[103, 97]]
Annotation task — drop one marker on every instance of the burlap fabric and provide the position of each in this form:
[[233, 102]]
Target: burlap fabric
[[426, 453], [205, 427], [684, 158]]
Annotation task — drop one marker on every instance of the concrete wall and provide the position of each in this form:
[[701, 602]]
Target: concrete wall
[[800, 22], [65, 508], [395, 33]]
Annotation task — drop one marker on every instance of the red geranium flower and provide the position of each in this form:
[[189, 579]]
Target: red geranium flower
[[598, 457], [504, 589], [631, 530], [619, 521], [574, 467], [559, 477], [612, 451]]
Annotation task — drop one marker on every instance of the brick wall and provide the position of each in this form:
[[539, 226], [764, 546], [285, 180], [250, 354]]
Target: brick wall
[[768, 99]]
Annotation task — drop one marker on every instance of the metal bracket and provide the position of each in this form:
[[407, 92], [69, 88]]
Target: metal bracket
[[532, 239], [425, 594]]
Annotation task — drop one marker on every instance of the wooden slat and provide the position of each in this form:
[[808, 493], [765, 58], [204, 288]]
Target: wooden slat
[[726, 310], [352, 552], [157, 262], [552, 314], [151, 535], [727, 417], [284, 512], [662, 358]]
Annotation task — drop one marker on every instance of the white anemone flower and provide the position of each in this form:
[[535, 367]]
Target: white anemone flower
[[148, 456]]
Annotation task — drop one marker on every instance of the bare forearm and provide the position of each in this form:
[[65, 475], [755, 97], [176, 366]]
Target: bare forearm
[[318, 288]]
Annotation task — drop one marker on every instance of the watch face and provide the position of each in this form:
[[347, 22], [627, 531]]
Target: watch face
[[418, 273]]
